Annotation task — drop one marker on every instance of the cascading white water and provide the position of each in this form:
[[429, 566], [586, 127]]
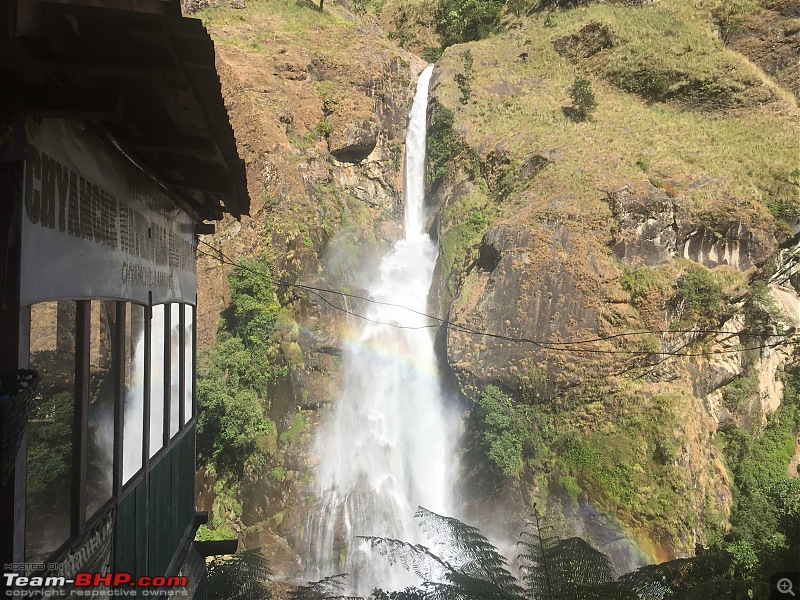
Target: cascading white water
[[389, 445]]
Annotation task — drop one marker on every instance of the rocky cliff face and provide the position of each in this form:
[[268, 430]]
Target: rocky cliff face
[[574, 244], [319, 104], [634, 269]]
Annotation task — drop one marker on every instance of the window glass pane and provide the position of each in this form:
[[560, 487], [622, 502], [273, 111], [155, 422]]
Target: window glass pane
[[157, 381], [175, 368], [48, 499], [133, 419], [188, 366], [100, 447]]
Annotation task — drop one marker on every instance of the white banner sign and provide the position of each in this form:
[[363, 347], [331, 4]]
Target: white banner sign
[[94, 225]]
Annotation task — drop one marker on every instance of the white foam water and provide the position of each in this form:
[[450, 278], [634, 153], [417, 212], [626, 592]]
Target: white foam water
[[389, 445]]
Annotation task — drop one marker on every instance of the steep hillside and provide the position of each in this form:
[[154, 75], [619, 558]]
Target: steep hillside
[[614, 187], [318, 102], [649, 225]]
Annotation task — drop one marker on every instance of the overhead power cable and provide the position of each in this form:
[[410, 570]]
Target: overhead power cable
[[565, 346]]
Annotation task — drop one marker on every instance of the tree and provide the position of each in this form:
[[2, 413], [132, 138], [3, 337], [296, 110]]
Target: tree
[[459, 21], [233, 377], [504, 431], [467, 565], [698, 298], [583, 100], [570, 569]]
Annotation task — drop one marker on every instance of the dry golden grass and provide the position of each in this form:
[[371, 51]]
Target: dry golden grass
[[714, 159]]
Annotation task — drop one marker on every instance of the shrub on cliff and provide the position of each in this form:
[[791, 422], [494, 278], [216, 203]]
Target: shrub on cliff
[[459, 21], [442, 145], [764, 537], [698, 298], [507, 435], [233, 432]]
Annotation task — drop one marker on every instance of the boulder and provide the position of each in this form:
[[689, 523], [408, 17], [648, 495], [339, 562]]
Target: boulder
[[647, 230], [591, 39]]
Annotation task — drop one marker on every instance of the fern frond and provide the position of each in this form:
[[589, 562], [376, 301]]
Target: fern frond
[[469, 552], [324, 589], [654, 582], [607, 591], [554, 569], [726, 590], [239, 577], [575, 561], [414, 558], [406, 594], [471, 587]]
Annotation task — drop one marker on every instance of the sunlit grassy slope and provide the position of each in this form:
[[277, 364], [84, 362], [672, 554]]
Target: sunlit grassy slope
[[675, 108]]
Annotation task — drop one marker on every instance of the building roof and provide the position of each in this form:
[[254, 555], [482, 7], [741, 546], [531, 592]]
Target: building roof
[[148, 76]]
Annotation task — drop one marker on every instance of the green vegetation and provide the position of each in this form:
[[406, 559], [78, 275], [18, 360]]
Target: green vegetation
[[323, 130], [206, 534], [783, 196], [432, 53], [460, 562], [341, 208], [507, 433], [698, 299], [689, 137], [738, 393], [298, 427], [236, 440], [278, 474], [443, 144], [456, 241], [600, 472], [360, 7], [629, 466], [255, 341], [242, 576], [507, 436], [464, 223], [50, 438], [765, 534], [255, 313], [459, 21], [232, 427], [732, 15], [583, 100], [226, 508], [464, 80], [406, 20], [640, 281], [256, 23], [650, 66]]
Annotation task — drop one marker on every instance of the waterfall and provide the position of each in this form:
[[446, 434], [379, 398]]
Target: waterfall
[[388, 446]]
